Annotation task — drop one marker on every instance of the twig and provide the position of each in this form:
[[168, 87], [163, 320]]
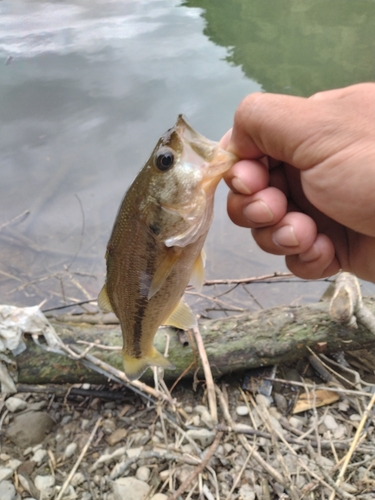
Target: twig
[[207, 373], [15, 219], [248, 280], [353, 445], [211, 450], [236, 481], [79, 459]]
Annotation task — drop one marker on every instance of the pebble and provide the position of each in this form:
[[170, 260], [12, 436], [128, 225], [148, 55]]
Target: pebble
[[263, 400], [14, 464], [184, 472], [14, 404], [296, 422], [5, 473], [159, 496], [70, 450], [355, 417], [200, 409], [29, 429], [204, 436], [78, 479], [242, 411], [7, 490], [130, 488], [134, 452], [38, 456], [246, 492], [44, 484], [143, 473], [330, 423], [117, 436]]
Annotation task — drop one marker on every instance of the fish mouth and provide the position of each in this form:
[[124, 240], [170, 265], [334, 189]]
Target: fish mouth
[[216, 160]]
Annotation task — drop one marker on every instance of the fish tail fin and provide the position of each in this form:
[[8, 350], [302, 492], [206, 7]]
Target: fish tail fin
[[135, 367]]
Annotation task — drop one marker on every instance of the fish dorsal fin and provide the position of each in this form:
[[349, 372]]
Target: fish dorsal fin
[[182, 317], [164, 270], [103, 300], [197, 277]]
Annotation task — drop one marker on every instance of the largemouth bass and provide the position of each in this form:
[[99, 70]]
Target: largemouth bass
[[156, 246]]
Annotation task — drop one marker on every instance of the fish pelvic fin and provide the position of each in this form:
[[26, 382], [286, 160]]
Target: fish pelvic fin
[[182, 317], [103, 300], [197, 278], [135, 367]]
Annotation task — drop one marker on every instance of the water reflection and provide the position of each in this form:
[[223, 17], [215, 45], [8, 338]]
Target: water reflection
[[295, 46], [86, 89]]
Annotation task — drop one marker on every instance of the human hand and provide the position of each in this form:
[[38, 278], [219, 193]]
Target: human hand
[[305, 183]]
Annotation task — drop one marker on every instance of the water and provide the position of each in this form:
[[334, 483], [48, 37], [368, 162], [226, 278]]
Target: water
[[87, 88]]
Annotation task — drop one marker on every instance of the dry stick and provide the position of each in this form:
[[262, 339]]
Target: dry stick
[[354, 444], [248, 280], [207, 373], [211, 450], [236, 481], [79, 459]]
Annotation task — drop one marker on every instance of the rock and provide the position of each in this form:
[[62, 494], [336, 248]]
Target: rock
[[38, 456], [281, 403], [14, 404], [143, 473], [246, 492], [130, 488], [159, 496], [70, 450], [30, 428], [78, 479], [204, 436], [242, 411], [199, 409], [263, 400], [14, 464], [117, 436], [5, 473], [296, 422], [7, 490], [184, 472], [134, 452], [108, 426], [330, 423], [45, 485]]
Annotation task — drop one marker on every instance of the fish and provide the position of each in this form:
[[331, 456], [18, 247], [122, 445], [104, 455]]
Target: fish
[[156, 245]]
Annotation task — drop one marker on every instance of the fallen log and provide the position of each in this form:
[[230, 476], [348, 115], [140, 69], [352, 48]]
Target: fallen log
[[249, 340]]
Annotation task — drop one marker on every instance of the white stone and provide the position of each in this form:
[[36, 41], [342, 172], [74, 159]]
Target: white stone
[[70, 450], [14, 464], [330, 423], [130, 488], [275, 424], [246, 492], [242, 410], [43, 483], [200, 409], [7, 490], [39, 456], [143, 473], [296, 422], [4, 457], [263, 400], [5, 473], [78, 479], [14, 404], [355, 417], [340, 432], [159, 496], [204, 436]]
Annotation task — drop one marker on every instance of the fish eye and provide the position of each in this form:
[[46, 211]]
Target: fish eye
[[164, 161]]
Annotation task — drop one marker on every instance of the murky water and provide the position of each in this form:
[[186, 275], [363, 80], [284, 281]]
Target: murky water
[[86, 89]]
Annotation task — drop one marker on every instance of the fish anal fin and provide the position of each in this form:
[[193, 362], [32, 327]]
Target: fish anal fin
[[103, 300], [164, 269], [135, 367], [197, 277], [182, 317]]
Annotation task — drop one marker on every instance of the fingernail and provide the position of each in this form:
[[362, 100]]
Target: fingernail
[[285, 237], [258, 212], [240, 186]]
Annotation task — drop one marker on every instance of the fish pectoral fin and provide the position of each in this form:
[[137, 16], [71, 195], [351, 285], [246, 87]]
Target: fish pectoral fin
[[182, 317], [164, 269], [135, 367], [103, 300], [197, 277]]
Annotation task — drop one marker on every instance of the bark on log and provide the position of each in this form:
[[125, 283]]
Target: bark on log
[[236, 343]]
